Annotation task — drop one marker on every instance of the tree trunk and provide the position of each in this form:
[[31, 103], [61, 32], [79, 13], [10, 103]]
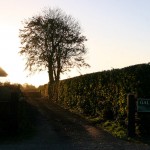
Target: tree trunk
[[51, 82]]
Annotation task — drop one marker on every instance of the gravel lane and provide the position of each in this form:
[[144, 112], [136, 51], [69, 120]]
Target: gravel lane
[[58, 129]]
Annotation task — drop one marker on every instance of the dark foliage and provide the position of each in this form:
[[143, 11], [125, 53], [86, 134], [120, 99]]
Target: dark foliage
[[104, 94]]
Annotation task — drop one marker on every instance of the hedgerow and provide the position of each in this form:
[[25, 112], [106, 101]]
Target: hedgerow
[[104, 94]]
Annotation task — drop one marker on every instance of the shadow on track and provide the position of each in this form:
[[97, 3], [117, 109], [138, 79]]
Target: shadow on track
[[27, 124]]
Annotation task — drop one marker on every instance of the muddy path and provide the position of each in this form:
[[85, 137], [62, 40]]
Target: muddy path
[[58, 129]]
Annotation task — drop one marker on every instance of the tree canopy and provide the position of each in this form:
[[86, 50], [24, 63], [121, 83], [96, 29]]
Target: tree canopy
[[52, 41]]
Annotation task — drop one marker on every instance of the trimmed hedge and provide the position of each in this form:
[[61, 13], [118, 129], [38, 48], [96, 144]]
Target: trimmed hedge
[[104, 94]]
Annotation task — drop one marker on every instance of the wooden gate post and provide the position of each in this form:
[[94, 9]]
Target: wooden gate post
[[131, 105]]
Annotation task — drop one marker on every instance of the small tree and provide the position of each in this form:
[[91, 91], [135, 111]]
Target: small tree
[[52, 41]]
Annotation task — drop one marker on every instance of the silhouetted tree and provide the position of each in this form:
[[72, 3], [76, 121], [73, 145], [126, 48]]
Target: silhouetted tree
[[52, 41]]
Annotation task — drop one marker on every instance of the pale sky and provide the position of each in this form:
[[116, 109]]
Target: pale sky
[[118, 33]]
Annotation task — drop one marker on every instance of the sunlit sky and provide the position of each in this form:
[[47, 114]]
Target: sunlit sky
[[118, 33]]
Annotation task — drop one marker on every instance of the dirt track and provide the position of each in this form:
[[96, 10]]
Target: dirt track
[[57, 129]]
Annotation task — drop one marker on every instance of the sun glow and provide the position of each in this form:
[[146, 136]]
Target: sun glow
[[118, 34], [12, 62]]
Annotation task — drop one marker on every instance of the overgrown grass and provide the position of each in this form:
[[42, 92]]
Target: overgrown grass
[[113, 127], [119, 131]]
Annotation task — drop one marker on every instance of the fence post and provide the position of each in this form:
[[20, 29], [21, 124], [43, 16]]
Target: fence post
[[131, 107]]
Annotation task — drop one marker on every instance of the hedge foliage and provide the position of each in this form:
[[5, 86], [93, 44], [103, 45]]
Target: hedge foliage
[[104, 94]]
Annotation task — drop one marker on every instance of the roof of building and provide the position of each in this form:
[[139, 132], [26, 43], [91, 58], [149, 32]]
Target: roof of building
[[3, 73]]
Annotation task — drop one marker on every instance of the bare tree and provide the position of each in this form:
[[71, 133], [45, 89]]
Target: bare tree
[[52, 41]]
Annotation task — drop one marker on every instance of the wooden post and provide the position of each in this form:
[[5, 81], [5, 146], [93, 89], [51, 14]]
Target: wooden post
[[131, 104]]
